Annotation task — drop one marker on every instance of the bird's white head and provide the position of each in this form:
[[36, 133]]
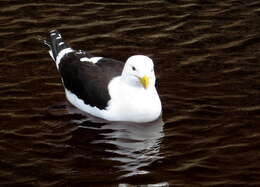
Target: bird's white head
[[139, 71]]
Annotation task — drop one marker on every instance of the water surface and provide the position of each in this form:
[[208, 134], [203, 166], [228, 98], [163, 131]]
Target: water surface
[[206, 56]]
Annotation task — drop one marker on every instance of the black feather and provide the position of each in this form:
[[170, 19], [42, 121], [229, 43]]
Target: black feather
[[89, 81]]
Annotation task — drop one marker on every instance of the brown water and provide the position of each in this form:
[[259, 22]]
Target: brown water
[[206, 56]]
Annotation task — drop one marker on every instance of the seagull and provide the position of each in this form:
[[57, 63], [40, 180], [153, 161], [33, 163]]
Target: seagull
[[106, 88]]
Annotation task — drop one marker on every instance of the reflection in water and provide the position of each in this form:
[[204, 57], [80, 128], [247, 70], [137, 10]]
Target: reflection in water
[[137, 145]]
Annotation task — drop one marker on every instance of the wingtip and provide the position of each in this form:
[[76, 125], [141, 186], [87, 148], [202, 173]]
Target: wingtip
[[53, 31]]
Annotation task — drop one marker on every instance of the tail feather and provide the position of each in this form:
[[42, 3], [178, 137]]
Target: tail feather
[[56, 44]]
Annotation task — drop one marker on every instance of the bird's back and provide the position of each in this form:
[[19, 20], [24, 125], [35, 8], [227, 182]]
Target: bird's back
[[89, 81]]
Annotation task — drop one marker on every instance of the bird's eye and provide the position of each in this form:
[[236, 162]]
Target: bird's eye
[[133, 68]]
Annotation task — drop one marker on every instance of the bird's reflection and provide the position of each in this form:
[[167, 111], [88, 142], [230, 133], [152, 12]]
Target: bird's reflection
[[134, 145], [138, 145]]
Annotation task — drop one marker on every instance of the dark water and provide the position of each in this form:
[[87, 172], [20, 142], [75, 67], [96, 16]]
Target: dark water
[[207, 63]]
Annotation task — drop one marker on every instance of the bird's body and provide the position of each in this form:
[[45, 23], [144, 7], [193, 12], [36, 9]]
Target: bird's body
[[107, 88]]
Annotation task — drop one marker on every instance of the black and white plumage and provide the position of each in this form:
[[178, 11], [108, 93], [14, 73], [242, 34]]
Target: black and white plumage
[[104, 87]]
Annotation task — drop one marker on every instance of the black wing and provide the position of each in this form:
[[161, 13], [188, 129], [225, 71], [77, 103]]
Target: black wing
[[89, 81]]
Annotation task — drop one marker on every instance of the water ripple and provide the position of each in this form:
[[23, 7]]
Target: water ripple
[[206, 59]]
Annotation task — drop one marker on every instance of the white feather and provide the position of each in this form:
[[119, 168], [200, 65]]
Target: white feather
[[51, 54], [79, 103], [93, 59]]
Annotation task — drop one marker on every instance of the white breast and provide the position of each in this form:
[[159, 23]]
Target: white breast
[[129, 103]]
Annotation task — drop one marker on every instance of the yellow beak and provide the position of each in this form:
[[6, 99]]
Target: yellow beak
[[144, 81]]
